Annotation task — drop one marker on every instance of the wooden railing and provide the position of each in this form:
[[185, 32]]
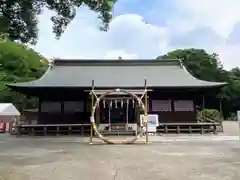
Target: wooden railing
[[53, 129], [218, 123], [199, 128]]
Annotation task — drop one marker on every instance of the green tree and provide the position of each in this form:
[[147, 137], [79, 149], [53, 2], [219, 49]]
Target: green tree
[[18, 63], [235, 100], [205, 66], [201, 64], [18, 18]]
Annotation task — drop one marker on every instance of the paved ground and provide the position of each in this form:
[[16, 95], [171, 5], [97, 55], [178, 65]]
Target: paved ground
[[69, 158], [231, 128]]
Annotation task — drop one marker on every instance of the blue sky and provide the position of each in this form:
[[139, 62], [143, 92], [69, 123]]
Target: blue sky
[[148, 28]]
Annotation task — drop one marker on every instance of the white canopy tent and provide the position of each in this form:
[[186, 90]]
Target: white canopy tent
[[8, 109], [8, 114]]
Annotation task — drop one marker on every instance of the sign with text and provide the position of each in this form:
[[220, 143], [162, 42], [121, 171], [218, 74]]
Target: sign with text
[[152, 122]]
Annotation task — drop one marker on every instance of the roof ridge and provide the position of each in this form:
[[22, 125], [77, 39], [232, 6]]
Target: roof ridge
[[114, 62]]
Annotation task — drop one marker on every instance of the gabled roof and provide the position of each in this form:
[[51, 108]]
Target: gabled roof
[[166, 73]]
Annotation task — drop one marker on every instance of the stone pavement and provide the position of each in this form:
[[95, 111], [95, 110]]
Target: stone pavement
[[71, 158]]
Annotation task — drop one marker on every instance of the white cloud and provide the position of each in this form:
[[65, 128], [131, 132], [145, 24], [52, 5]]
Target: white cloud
[[129, 36], [230, 55], [201, 24], [220, 16]]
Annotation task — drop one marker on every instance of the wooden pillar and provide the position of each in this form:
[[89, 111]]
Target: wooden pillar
[[146, 106], [98, 109], [137, 115], [109, 116], [203, 102], [221, 108], [92, 104], [127, 113]]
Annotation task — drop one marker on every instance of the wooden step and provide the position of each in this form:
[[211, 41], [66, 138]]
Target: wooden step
[[120, 132], [119, 126]]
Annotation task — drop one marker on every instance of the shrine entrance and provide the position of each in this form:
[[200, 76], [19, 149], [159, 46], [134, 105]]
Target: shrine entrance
[[118, 114], [121, 112]]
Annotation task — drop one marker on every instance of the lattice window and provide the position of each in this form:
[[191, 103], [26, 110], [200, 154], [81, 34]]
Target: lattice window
[[183, 105], [51, 107], [161, 105], [73, 106]]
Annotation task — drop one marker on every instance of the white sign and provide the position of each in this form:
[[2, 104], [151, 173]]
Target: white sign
[[152, 122], [238, 116]]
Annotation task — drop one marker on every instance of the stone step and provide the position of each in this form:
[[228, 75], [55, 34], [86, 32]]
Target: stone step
[[120, 132]]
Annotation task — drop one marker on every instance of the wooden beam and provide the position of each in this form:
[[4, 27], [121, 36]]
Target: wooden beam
[[117, 98], [129, 90]]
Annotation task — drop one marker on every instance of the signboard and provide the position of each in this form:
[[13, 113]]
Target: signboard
[[152, 122]]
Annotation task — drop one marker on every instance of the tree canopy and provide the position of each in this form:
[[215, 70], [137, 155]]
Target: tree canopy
[[18, 63], [19, 20], [205, 66]]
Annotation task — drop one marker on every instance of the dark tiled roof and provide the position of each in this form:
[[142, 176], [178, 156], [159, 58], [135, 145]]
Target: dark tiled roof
[[167, 73]]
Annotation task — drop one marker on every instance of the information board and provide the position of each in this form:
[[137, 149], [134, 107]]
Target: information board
[[152, 122]]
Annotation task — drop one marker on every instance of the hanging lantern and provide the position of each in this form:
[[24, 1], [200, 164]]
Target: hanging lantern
[[116, 103], [110, 104], [121, 103], [133, 102]]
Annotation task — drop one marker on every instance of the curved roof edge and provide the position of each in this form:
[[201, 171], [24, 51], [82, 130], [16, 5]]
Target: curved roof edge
[[210, 82]]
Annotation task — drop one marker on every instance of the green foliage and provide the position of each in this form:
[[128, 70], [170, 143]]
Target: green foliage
[[205, 66], [208, 67], [201, 64], [232, 117], [211, 114], [19, 18], [18, 63]]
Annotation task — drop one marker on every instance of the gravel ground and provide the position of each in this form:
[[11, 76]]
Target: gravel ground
[[70, 158]]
